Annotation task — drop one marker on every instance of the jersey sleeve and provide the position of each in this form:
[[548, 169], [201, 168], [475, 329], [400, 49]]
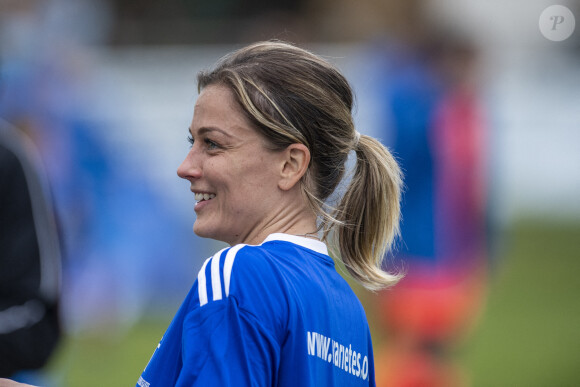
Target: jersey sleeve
[[224, 341], [224, 345]]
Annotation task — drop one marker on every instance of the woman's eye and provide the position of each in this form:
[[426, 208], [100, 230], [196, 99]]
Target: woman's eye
[[211, 145]]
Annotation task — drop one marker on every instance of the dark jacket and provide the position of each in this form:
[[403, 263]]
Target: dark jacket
[[29, 258]]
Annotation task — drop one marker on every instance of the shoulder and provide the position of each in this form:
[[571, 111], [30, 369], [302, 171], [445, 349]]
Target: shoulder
[[227, 271]]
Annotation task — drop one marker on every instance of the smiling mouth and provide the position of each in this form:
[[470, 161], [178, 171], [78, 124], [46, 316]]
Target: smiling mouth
[[200, 197]]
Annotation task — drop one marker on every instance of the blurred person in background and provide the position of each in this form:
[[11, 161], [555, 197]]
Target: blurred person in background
[[43, 92], [49, 88], [30, 260], [437, 127]]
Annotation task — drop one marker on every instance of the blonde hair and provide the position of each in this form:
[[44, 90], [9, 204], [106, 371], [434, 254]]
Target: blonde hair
[[294, 96]]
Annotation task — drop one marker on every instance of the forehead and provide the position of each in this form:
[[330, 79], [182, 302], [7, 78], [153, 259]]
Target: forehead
[[213, 93], [216, 107]]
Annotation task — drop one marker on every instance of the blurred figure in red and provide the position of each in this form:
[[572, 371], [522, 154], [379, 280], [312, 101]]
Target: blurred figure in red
[[438, 135]]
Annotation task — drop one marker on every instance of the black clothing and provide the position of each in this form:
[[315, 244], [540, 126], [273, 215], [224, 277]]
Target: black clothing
[[29, 258]]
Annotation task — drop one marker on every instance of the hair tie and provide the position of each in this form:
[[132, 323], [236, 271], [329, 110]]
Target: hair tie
[[356, 139]]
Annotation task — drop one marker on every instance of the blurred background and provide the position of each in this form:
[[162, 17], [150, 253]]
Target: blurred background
[[481, 110]]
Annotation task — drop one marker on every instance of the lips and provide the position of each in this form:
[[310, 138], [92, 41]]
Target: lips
[[202, 199]]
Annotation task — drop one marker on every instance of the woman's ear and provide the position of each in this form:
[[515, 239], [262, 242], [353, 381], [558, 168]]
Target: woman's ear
[[295, 161]]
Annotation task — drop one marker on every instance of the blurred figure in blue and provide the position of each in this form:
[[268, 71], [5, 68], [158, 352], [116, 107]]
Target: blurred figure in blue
[[30, 259], [42, 93], [437, 127], [116, 231]]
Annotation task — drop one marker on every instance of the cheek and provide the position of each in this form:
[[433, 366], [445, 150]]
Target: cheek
[[248, 192], [258, 178], [246, 182]]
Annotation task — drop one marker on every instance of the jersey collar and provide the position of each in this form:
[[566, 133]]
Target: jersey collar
[[308, 243]]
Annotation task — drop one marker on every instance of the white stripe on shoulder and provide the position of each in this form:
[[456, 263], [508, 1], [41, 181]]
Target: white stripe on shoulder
[[201, 280], [216, 287], [228, 264], [201, 289]]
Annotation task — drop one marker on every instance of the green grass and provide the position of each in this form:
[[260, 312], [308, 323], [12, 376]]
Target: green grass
[[529, 334], [106, 360]]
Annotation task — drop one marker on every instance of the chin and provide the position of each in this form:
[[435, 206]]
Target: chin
[[201, 231], [205, 231]]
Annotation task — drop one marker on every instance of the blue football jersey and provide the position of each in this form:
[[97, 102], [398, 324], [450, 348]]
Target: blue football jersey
[[276, 314]]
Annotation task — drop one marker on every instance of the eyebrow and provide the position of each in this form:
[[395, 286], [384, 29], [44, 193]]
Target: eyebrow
[[208, 129]]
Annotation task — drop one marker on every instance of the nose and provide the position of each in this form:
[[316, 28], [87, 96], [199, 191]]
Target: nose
[[190, 168]]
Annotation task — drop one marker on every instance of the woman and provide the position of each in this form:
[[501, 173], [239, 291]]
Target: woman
[[270, 136]]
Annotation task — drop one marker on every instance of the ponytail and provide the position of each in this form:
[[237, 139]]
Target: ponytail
[[367, 218]]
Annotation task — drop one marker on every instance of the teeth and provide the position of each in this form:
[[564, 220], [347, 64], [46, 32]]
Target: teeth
[[203, 196]]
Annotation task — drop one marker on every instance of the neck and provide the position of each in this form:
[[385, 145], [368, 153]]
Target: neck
[[295, 222]]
